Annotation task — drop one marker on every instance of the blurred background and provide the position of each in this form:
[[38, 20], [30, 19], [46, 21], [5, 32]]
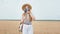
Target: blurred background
[[41, 9], [46, 12]]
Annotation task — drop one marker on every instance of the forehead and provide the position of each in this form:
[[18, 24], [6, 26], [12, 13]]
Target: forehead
[[27, 6]]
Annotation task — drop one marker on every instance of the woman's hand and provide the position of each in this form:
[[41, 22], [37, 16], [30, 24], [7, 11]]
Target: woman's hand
[[33, 17]]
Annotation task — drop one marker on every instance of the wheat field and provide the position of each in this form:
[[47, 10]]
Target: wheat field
[[40, 27]]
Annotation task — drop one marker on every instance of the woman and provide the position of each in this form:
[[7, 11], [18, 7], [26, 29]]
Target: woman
[[26, 20]]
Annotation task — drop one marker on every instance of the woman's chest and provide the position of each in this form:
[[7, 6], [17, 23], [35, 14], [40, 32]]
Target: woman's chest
[[27, 17]]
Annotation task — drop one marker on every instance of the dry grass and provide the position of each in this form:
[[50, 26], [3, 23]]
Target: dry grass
[[40, 27]]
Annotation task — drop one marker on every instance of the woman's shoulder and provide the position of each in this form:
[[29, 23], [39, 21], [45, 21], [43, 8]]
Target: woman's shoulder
[[23, 14]]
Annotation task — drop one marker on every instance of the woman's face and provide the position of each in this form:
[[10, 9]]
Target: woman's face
[[28, 11]]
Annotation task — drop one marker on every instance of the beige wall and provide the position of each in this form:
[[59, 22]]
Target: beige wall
[[40, 27]]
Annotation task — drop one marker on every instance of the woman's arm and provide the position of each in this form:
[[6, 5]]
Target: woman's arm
[[22, 20], [33, 17]]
